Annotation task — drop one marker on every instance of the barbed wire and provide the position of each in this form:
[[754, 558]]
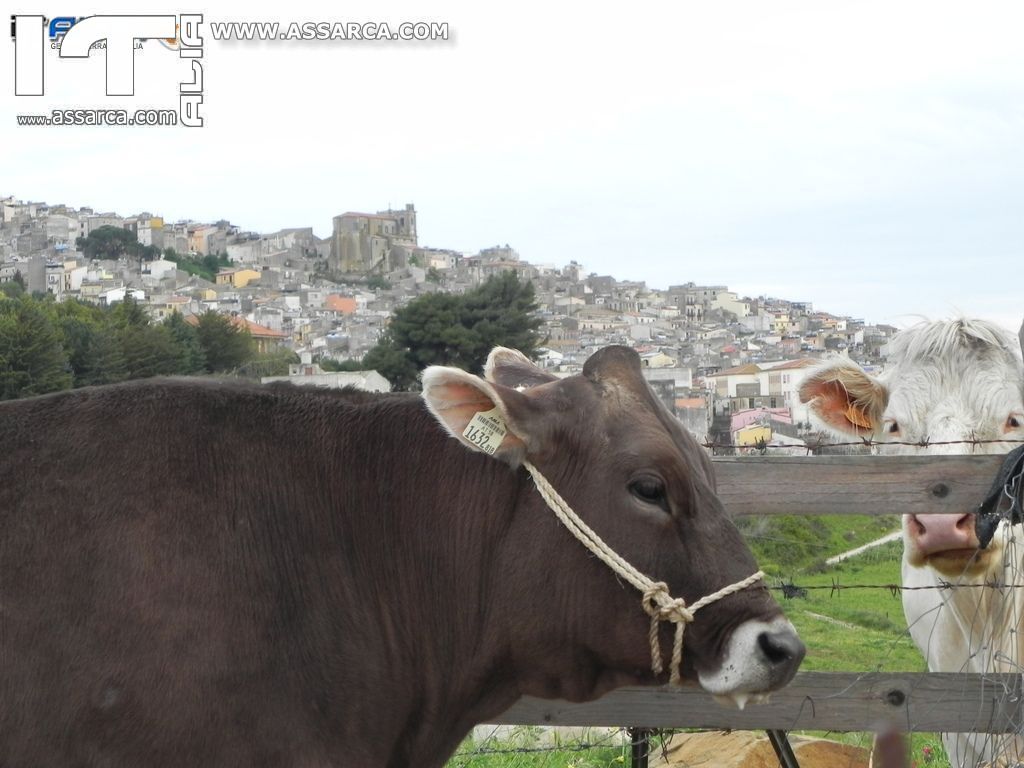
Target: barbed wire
[[866, 442], [581, 747], [791, 590], [613, 739]]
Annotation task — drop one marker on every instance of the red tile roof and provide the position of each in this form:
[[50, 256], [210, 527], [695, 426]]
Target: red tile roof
[[344, 304], [789, 365], [690, 402], [258, 331]]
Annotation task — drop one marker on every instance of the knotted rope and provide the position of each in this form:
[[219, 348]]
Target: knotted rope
[[656, 601]]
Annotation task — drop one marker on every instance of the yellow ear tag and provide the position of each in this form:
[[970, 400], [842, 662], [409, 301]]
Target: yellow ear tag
[[857, 417], [486, 430]]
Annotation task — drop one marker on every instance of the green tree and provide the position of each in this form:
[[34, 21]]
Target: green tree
[[151, 350], [105, 360], [272, 363], [205, 267], [32, 360], [108, 242], [446, 329], [393, 363], [128, 314], [193, 359], [225, 345], [94, 351], [14, 287], [502, 312]]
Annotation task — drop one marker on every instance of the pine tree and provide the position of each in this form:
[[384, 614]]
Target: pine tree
[[32, 360], [225, 345], [447, 329]]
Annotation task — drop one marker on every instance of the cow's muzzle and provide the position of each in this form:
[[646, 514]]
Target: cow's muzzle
[[760, 657]]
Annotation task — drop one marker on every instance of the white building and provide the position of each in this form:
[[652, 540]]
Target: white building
[[115, 295], [311, 375], [728, 301], [158, 269]]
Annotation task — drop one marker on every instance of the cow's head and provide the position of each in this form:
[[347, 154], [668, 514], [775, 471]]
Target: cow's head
[[954, 380], [624, 464]]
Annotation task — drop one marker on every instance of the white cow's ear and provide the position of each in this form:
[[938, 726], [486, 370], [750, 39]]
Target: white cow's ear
[[483, 416], [845, 398]]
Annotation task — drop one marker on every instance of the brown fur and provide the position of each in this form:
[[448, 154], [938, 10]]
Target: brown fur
[[212, 574]]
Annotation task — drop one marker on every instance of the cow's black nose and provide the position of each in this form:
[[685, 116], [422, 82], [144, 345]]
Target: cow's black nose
[[784, 651]]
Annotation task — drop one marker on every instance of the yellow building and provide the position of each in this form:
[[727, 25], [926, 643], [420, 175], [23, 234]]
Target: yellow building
[[752, 435], [170, 306], [239, 278]]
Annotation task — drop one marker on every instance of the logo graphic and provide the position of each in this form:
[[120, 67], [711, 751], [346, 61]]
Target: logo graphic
[[74, 37]]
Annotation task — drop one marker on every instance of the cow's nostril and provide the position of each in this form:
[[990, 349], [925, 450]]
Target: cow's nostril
[[965, 523], [780, 647], [918, 526]]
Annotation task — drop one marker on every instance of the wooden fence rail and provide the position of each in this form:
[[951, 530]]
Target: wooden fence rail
[[826, 701], [854, 485], [835, 701]]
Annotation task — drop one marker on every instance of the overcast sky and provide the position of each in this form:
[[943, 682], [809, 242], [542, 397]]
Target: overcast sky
[[867, 157]]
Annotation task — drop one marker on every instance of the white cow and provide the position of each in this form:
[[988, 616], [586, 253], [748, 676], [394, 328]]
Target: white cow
[[945, 381]]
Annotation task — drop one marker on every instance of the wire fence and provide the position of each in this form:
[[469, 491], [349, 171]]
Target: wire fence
[[989, 614], [645, 748], [791, 591], [535, 747], [814, 445]]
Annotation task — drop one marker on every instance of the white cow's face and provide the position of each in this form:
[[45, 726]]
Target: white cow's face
[[929, 404], [947, 384]]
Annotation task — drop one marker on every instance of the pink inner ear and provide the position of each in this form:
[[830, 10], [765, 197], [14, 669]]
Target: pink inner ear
[[455, 401], [459, 403], [459, 394], [836, 407]]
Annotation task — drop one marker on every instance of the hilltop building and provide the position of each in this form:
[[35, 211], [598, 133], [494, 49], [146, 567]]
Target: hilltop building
[[368, 242]]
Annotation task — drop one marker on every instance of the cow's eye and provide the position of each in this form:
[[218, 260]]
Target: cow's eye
[[650, 490], [1014, 421], [892, 427]]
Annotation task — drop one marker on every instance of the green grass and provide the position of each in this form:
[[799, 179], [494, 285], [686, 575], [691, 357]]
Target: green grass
[[784, 545], [876, 638], [855, 630], [524, 749]]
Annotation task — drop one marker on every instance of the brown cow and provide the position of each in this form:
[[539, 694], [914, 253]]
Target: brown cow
[[201, 573]]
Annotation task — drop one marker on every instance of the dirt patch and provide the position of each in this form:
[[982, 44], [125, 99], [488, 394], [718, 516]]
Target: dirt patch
[[750, 749]]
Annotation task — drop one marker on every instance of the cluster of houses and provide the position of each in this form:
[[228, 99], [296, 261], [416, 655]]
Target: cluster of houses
[[728, 366]]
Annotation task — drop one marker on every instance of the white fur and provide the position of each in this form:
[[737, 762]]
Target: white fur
[[954, 381], [745, 669]]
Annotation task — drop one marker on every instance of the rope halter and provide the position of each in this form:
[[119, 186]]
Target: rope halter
[[656, 601]]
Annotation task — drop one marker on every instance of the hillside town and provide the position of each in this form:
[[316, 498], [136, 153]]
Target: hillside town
[[728, 366]]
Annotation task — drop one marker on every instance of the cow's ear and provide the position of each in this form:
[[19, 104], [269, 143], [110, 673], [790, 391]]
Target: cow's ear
[[482, 415], [511, 368], [845, 398]]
